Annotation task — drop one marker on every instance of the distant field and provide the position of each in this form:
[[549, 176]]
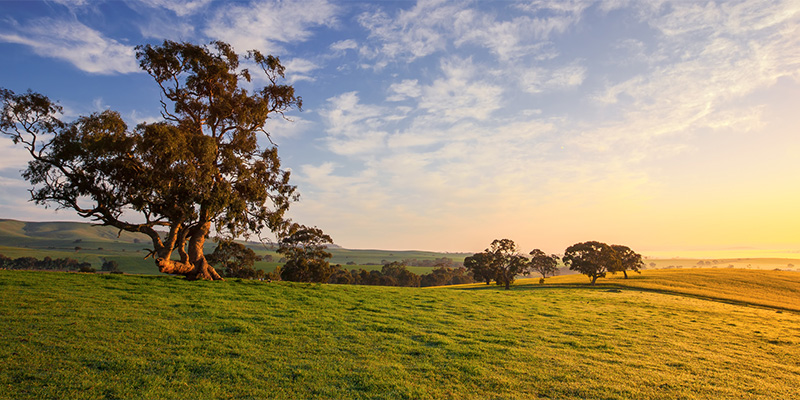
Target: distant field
[[97, 244], [777, 289], [88, 336]]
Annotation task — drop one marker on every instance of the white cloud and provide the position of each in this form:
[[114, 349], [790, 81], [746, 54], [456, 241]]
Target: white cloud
[[537, 80], [460, 94], [76, 43], [181, 8], [354, 128], [412, 34], [408, 88], [266, 25], [299, 69], [343, 45]]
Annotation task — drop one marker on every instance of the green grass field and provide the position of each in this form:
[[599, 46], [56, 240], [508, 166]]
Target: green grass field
[[89, 336]]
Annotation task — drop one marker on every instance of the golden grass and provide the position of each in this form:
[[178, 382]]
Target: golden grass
[[774, 289]]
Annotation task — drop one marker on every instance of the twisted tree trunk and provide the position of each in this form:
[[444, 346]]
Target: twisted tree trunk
[[193, 264]]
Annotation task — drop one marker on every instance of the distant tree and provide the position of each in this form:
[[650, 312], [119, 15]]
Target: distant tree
[[629, 260], [235, 260], [110, 266], [443, 275], [203, 163], [86, 268], [508, 261], [400, 274], [340, 276], [481, 266], [501, 262], [306, 258], [543, 264], [592, 259]]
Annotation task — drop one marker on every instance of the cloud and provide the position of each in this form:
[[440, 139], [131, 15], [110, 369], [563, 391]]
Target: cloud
[[76, 43], [701, 66], [354, 128], [408, 88], [460, 93], [181, 8], [511, 39], [537, 80], [343, 45], [298, 69], [268, 25], [411, 34]]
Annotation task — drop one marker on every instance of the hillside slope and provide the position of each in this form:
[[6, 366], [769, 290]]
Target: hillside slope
[[109, 336]]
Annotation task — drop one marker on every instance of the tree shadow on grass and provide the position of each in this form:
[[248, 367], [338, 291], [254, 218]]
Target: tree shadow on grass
[[617, 288]]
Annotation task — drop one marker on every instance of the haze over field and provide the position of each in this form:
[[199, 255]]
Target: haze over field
[[670, 127]]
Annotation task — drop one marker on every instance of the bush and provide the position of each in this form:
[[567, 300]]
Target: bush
[[86, 268]]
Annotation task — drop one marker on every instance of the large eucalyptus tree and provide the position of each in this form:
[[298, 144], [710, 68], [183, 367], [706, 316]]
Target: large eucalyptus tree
[[201, 167]]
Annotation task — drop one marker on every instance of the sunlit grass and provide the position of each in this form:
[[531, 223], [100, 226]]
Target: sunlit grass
[[111, 336], [778, 289]]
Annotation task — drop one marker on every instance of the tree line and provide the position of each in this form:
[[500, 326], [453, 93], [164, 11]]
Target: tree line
[[502, 261], [307, 261], [46, 264]]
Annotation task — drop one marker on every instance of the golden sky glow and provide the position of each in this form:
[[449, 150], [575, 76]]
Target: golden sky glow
[[671, 127]]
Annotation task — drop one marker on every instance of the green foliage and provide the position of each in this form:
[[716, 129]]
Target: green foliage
[[110, 266], [501, 262], [400, 275], [592, 259], [235, 260], [45, 264], [306, 258], [543, 264], [629, 260], [201, 163], [481, 267]]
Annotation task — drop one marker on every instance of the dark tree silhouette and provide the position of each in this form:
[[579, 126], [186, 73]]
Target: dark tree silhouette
[[202, 164], [629, 260], [306, 258], [235, 260], [501, 262], [592, 259], [508, 261], [543, 264], [481, 267]]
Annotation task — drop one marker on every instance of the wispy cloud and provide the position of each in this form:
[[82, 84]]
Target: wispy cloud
[[269, 25], [75, 43], [411, 34], [181, 8]]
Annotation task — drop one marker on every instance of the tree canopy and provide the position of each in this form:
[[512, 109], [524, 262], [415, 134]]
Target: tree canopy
[[543, 264], [592, 259], [203, 163], [502, 262], [629, 260], [306, 258]]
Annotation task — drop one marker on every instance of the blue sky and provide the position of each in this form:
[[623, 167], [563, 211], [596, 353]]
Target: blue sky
[[667, 126]]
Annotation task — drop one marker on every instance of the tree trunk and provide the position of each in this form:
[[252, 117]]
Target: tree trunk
[[625, 273], [193, 264], [508, 284], [594, 278]]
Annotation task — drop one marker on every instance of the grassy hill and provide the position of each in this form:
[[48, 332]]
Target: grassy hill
[[80, 336], [100, 243]]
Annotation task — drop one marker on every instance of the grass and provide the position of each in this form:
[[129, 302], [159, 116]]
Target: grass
[[775, 289], [87, 336]]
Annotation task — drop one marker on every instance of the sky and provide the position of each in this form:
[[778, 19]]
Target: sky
[[667, 126]]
